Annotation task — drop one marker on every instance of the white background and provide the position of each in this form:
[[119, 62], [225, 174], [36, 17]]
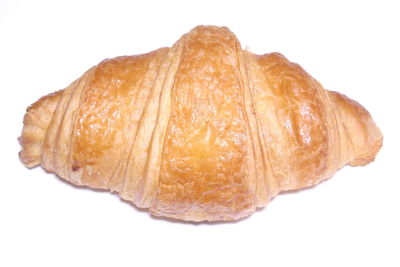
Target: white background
[[350, 220]]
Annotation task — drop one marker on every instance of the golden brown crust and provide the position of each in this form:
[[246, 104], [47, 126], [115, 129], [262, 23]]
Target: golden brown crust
[[203, 169], [106, 118], [199, 131], [302, 123]]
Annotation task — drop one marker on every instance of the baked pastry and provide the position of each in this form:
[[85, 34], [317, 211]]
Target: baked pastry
[[200, 131]]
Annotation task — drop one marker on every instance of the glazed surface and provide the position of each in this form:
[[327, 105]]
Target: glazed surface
[[199, 131]]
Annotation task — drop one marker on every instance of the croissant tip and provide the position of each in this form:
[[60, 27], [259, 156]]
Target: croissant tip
[[36, 121], [372, 155], [27, 161]]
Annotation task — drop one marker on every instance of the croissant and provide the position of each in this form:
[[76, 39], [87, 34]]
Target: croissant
[[200, 131]]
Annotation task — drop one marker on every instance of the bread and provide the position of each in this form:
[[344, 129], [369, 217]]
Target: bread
[[200, 131]]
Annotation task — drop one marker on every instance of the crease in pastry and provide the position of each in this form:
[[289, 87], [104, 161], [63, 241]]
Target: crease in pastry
[[255, 78], [150, 186], [201, 131], [138, 156], [70, 162], [143, 97], [262, 194]]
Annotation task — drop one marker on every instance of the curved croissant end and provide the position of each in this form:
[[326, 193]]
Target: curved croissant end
[[365, 137], [199, 131], [36, 122]]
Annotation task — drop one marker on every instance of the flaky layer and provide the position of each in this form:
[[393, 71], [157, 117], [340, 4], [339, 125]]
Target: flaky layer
[[199, 131]]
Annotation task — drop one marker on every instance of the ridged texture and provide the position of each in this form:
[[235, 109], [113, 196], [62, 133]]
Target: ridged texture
[[199, 131]]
